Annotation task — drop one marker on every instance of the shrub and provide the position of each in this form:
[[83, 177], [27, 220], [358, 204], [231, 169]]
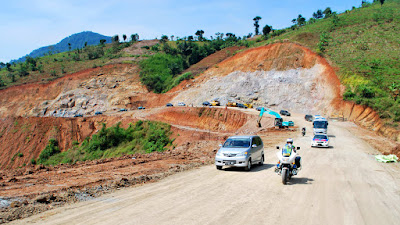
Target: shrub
[[159, 70], [143, 136], [50, 150]]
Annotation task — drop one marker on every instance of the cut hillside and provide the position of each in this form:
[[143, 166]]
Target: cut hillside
[[280, 75]]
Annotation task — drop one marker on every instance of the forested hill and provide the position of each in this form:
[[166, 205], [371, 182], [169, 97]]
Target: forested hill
[[76, 40]]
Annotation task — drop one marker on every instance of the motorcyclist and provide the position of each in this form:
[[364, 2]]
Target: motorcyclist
[[303, 131], [288, 148]]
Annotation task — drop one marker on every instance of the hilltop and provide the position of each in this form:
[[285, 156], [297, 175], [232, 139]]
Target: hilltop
[[78, 40]]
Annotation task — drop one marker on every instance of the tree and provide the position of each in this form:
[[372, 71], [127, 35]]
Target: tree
[[2, 84], [11, 76], [382, 1], [85, 44], [172, 37], [115, 39], [124, 37], [31, 63], [190, 38], [102, 41], [134, 37], [164, 39], [294, 21], [69, 46], [256, 26], [301, 20], [2, 65], [327, 12], [318, 15], [23, 70], [8, 66], [199, 34], [266, 30]]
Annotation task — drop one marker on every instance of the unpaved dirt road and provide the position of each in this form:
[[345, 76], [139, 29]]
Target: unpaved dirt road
[[339, 185]]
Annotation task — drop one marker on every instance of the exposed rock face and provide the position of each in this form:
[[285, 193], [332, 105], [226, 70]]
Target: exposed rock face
[[281, 75]]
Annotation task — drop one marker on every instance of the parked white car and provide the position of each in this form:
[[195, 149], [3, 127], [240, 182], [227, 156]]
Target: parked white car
[[181, 104]]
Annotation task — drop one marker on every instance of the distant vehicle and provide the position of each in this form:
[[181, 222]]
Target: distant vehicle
[[308, 118], [215, 103], [141, 107], [78, 115], [206, 103], [98, 113], [259, 108], [240, 151], [231, 104], [249, 105], [320, 125], [284, 113], [320, 140], [123, 110], [240, 105], [181, 104], [169, 105]]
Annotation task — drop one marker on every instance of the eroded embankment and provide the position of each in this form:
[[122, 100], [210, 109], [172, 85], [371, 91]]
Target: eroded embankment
[[24, 138], [210, 119]]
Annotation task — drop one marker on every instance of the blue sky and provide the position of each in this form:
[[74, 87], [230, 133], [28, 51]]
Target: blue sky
[[26, 25]]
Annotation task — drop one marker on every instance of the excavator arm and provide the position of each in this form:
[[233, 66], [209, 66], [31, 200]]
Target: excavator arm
[[278, 118]]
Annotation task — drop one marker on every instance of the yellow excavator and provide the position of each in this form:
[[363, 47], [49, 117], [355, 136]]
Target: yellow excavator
[[249, 105], [231, 104], [215, 103]]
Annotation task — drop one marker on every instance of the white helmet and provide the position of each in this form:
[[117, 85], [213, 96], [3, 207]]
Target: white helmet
[[289, 140]]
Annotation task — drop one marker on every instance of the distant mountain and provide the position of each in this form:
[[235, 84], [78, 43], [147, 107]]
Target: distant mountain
[[76, 40]]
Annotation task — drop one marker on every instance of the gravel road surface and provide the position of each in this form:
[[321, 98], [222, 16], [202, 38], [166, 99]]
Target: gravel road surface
[[338, 185]]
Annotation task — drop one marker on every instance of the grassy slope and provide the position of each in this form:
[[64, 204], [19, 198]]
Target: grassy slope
[[365, 45], [60, 64]]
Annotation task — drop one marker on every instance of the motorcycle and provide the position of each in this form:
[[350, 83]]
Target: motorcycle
[[303, 131], [288, 166]]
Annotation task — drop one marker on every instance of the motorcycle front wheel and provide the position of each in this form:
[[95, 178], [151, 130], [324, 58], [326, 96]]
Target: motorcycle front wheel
[[284, 175]]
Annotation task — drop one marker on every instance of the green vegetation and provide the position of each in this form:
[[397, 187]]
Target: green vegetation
[[52, 66], [141, 137], [160, 72], [364, 43], [50, 150]]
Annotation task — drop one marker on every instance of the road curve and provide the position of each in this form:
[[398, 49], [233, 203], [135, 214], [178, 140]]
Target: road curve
[[339, 185]]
